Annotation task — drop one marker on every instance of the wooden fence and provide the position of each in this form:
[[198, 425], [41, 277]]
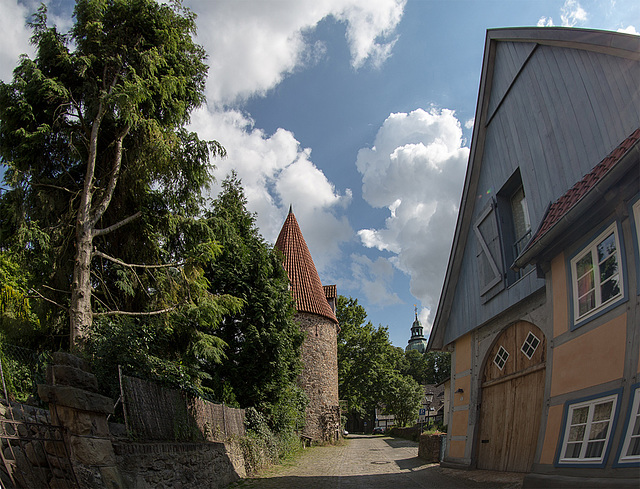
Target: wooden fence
[[154, 412]]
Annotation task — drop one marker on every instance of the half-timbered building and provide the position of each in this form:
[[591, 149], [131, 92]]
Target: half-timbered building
[[540, 305]]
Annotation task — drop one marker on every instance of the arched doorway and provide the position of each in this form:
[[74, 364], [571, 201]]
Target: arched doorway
[[512, 393]]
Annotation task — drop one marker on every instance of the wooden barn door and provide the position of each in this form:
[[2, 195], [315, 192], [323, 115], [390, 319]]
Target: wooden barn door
[[512, 398]]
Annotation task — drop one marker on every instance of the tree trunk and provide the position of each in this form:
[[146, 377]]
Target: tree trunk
[[80, 313]]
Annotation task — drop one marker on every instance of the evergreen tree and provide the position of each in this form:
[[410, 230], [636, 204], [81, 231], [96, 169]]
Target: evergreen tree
[[101, 172], [263, 355]]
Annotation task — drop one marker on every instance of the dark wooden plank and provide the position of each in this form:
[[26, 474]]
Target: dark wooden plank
[[605, 93], [550, 94]]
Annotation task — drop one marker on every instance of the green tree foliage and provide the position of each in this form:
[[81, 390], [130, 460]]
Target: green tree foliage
[[403, 398], [18, 322], [438, 366], [414, 365], [373, 373], [366, 359], [263, 357], [426, 368], [101, 172]]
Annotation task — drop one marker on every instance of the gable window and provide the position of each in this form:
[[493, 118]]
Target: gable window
[[489, 256], [588, 431], [530, 345], [515, 223], [636, 217], [630, 451], [596, 275], [521, 222], [501, 358]]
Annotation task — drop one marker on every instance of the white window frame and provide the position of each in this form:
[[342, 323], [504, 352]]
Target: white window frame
[[501, 357], [591, 403], [592, 248], [633, 417], [527, 344]]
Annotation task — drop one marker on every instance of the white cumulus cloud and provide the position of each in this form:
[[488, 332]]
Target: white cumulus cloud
[[373, 277], [572, 13], [15, 36], [277, 172], [253, 44], [545, 21], [629, 30], [416, 169]]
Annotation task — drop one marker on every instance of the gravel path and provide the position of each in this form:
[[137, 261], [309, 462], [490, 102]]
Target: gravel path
[[370, 462]]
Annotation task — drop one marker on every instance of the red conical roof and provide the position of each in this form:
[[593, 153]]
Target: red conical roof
[[305, 283]]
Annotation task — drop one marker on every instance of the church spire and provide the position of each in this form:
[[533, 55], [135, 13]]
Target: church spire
[[417, 340]]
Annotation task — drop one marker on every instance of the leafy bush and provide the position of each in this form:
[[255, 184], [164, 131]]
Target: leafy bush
[[23, 370], [140, 348], [262, 447]]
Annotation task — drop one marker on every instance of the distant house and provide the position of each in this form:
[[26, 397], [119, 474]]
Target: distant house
[[540, 307], [385, 421], [433, 401], [431, 408]]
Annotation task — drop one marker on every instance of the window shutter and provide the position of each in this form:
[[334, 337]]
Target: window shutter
[[489, 257]]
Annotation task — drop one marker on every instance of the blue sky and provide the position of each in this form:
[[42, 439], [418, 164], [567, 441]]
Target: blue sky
[[358, 113]]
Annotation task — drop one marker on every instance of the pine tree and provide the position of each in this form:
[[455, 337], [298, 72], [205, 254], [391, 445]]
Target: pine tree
[[263, 355], [100, 168]]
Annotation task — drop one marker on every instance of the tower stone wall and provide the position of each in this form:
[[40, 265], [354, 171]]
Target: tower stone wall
[[319, 377], [316, 317]]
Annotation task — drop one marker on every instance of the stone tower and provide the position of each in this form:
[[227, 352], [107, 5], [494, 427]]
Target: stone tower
[[316, 317], [417, 340]]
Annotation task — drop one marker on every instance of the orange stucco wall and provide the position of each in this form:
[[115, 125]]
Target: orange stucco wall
[[551, 435], [591, 358], [460, 420], [456, 448], [559, 288], [463, 353], [464, 383]]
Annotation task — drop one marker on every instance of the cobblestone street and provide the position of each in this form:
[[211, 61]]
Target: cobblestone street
[[373, 462]]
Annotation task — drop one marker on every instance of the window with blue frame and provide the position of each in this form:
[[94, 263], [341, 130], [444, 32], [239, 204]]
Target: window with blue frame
[[630, 450], [587, 432], [597, 275]]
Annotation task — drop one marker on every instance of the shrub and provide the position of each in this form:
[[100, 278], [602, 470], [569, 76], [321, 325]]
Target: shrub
[[262, 447], [23, 370]]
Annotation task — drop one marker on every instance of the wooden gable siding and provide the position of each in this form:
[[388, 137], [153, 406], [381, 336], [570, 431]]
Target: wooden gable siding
[[510, 58], [565, 110]]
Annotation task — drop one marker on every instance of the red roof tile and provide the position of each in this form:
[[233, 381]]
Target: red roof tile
[[330, 291], [561, 206], [305, 283]]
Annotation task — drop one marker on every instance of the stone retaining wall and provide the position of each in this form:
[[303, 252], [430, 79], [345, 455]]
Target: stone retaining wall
[[33, 451], [429, 447], [183, 465], [101, 460]]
